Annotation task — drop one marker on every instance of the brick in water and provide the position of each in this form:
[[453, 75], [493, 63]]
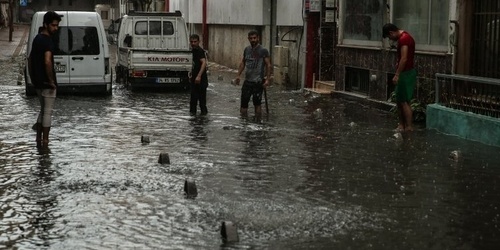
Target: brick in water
[[190, 188], [164, 158], [229, 232]]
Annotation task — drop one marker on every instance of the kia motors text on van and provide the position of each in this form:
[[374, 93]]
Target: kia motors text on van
[[81, 55]]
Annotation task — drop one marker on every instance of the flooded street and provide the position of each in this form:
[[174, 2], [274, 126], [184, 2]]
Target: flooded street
[[317, 173]]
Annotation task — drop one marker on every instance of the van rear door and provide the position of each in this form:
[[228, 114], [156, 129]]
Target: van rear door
[[61, 50], [86, 57]]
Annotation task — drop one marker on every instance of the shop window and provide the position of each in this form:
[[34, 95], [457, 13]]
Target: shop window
[[363, 21], [427, 21]]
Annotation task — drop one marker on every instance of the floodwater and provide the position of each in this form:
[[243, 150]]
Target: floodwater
[[316, 173]]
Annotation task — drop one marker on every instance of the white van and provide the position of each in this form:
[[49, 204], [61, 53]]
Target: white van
[[81, 54]]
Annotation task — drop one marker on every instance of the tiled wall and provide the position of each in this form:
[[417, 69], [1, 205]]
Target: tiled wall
[[381, 62]]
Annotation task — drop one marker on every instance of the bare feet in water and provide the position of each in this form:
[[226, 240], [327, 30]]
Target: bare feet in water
[[400, 128]]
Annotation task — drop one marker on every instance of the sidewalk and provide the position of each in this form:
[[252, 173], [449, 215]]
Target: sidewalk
[[17, 47]]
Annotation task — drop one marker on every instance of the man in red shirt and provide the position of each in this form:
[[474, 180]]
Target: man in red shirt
[[405, 77]]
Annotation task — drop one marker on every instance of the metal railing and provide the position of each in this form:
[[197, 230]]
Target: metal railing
[[479, 95]]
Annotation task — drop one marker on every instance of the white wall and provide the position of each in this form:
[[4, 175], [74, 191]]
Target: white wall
[[182, 6], [289, 13], [230, 20], [231, 12]]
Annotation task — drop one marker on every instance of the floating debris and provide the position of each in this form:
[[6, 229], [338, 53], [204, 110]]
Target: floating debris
[[318, 113], [455, 155]]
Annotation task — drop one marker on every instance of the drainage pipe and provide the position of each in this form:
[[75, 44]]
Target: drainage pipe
[[204, 25], [167, 6], [304, 34]]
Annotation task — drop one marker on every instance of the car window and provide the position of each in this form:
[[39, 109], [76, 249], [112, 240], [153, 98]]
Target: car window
[[141, 28], [61, 41], [77, 40], [85, 41], [168, 28], [155, 28]]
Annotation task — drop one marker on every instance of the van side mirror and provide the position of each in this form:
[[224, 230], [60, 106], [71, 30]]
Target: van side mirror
[[128, 40]]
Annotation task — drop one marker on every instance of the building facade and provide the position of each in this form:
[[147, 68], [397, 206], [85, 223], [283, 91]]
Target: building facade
[[333, 40], [224, 24], [452, 37], [32, 6]]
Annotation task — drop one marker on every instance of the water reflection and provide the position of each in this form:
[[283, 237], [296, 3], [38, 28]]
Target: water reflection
[[254, 138], [198, 125], [44, 199]]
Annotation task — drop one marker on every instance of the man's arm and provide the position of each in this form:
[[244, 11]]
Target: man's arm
[[269, 70], [49, 69], [203, 62], [240, 70], [401, 63], [30, 72]]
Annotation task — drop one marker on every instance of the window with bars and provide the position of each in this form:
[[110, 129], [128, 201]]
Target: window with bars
[[486, 39]]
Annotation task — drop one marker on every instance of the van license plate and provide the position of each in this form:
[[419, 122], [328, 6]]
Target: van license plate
[[168, 80], [59, 68]]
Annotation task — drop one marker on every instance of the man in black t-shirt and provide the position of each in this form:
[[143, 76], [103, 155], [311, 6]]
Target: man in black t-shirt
[[43, 75], [198, 78]]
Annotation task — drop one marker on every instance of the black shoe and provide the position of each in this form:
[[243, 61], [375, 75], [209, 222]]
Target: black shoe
[[204, 112], [192, 113]]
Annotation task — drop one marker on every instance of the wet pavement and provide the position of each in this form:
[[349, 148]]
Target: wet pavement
[[317, 173]]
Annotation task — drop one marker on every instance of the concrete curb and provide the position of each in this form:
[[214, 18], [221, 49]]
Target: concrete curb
[[12, 49]]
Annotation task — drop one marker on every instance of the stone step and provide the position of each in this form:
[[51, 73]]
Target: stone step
[[318, 91], [327, 85], [322, 87]]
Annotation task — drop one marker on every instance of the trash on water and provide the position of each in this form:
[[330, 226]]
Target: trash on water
[[318, 113], [455, 155]]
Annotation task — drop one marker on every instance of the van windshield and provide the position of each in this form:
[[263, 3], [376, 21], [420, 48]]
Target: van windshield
[[77, 40]]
